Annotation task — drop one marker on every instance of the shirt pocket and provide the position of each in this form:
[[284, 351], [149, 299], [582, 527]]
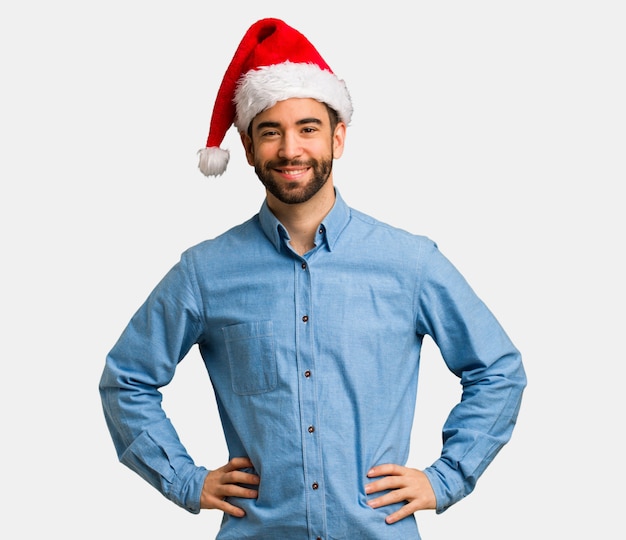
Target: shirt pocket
[[252, 357]]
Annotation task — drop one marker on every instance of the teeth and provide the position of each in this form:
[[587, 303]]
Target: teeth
[[294, 173]]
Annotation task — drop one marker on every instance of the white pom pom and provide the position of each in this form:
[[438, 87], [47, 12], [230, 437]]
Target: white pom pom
[[213, 161]]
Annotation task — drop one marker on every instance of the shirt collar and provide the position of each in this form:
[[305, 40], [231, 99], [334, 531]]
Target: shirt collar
[[328, 231]]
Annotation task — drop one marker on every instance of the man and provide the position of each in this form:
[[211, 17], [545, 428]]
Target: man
[[310, 319]]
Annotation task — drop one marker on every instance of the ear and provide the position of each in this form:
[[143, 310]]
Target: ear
[[248, 147], [339, 138]]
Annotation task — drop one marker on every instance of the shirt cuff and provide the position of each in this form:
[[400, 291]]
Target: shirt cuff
[[447, 483]]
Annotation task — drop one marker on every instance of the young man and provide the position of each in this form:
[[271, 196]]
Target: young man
[[310, 319]]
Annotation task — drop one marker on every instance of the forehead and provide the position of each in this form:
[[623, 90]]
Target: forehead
[[293, 110]]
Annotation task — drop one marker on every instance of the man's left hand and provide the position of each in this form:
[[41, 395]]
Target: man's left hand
[[404, 484]]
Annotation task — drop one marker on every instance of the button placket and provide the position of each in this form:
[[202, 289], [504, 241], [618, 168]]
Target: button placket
[[305, 357]]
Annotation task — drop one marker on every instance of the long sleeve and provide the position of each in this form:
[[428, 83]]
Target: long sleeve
[[477, 350], [142, 361]]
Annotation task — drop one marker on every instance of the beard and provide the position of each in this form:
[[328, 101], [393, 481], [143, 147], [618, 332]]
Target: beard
[[294, 193]]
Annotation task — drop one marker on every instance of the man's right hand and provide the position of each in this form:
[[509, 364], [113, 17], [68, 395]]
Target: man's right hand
[[224, 482]]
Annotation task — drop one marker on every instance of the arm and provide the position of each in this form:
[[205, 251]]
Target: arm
[[142, 361], [477, 350]]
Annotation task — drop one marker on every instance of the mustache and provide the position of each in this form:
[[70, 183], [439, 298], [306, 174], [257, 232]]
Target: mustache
[[281, 163]]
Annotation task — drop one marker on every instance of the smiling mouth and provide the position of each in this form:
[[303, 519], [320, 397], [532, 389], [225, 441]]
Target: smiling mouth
[[293, 172]]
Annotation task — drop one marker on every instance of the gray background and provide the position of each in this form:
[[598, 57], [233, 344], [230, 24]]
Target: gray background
[[496, 128]]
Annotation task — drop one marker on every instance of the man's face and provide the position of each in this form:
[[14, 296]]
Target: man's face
[[292, 148]]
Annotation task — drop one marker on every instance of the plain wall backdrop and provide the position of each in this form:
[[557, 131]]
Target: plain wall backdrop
[[496, 128]]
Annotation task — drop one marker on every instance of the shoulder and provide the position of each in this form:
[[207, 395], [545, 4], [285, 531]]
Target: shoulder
[[225, 252], [239, 234], [396, 237]]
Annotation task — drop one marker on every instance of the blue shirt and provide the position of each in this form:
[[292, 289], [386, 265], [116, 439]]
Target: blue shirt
[[314, 363]]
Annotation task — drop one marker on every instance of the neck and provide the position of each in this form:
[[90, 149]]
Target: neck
[[302, 220]]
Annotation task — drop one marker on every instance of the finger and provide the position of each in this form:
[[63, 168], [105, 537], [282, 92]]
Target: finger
[[238, 463], [384, 470], [404, 512], [385, 483], [220, 500], [393, 497], [233, 490], [231, 509], [240, 477]]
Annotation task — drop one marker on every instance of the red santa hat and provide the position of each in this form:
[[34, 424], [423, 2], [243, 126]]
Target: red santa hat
[[273, 62]]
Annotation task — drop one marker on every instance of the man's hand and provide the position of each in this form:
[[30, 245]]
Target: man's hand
[[223, 482], [406, 484]]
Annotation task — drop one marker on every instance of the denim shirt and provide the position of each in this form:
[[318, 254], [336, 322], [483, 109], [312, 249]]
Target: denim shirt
[[314, 363]]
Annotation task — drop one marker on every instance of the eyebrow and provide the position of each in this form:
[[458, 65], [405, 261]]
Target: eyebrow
[[303, 121]]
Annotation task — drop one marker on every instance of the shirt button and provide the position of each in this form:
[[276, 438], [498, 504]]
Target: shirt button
[[305, 318], [303, 266], [311, 429], [315, 485], [307, 373], [321, 230]]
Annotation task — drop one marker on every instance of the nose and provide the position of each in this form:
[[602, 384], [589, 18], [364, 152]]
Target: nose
[[290, 147]]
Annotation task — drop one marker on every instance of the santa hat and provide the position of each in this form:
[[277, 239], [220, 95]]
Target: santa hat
[[273, 62]]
